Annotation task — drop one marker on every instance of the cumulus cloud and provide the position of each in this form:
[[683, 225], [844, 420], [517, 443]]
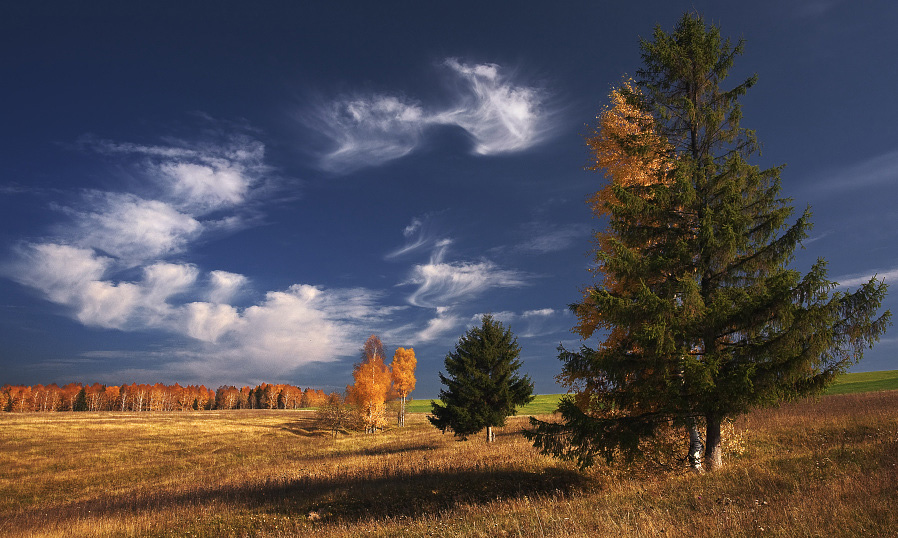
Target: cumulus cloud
[[198, 177], [208, 321], [293, 327], [130, 228], [287, 329], [110, 266], [225, 285], [499, 114], [542, 312]]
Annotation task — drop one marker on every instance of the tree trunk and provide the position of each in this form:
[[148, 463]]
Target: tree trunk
[[713, 453], [694, 457]]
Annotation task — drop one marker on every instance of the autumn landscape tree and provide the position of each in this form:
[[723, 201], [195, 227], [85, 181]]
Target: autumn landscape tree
[[372, 383], [482, 383], [701, 317], [402, 370]]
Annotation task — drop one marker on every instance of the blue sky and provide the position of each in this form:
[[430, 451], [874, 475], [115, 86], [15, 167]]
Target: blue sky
[[242, 192]]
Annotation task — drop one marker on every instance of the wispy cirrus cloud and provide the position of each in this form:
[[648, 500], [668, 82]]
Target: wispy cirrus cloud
[[529, 323], [442, 284], [851, 281], [420, 235], [442, 324], [543, 237], [500, 115], [878, 170]]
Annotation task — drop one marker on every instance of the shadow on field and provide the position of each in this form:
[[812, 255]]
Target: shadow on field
[[304, 427], [344, 500]]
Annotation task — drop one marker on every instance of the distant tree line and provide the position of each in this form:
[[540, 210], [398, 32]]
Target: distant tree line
[[157, 397]]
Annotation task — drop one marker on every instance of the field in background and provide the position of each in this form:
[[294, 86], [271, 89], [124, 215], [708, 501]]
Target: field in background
[[846, 384], [865, 382], [824, 468]]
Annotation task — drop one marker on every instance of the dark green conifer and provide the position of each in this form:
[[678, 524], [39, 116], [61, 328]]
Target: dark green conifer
[[482, 384], [718, 322]]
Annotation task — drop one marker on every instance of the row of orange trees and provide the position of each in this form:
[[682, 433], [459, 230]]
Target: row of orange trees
[[375, 383], [158, 397]]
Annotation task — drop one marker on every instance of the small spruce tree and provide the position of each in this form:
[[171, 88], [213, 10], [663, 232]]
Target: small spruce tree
[[482, 383]]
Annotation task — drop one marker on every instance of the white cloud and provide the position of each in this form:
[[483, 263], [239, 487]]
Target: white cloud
[[196, 178], [90, 269], [545, 238], [505, 317], [878, 170], [500, 115], [59, 271], [205, 186], [108, 305], [437, 327], [225, 285], [207, 321], [413, 227], [418, 235], [851, 281], [301, 325], [130, 228], [542, 312], [287, 329], [70, 276], [368, 131], [441, 284]]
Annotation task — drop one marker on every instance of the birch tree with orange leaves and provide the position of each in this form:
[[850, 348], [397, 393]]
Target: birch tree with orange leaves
[[372, 385], [403, 373]]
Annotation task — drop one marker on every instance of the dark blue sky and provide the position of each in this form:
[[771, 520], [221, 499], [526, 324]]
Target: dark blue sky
[[239, 192]]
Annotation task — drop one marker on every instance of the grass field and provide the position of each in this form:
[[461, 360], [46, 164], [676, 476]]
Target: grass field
[[813, 468], [865, 382], [846, 384], [541, 405]]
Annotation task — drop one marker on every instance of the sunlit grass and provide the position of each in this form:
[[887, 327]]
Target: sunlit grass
[[844, 384], [543, 404], [865, 382], [810, 469]]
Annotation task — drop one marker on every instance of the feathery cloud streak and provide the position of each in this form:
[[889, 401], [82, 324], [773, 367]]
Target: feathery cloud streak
[[441, 284], [874, 171], [850, 281], [498, 114]]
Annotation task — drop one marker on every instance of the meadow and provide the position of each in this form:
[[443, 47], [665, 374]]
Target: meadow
[[826, 467], [846, 384]]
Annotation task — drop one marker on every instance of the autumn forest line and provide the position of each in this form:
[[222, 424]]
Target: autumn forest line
[[375, 384], [157, 397]]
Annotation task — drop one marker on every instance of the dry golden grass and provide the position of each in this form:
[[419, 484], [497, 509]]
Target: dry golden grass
[[825, 469]]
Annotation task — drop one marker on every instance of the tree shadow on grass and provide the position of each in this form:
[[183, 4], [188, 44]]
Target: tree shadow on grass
[[342, 499]]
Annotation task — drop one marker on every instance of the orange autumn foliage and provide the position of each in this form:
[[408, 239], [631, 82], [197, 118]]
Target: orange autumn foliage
[[372, 385], [403, 370], [626, 146]]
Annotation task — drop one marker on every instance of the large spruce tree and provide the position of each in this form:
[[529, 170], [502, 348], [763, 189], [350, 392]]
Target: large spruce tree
[[482, 382], [704, 317]]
